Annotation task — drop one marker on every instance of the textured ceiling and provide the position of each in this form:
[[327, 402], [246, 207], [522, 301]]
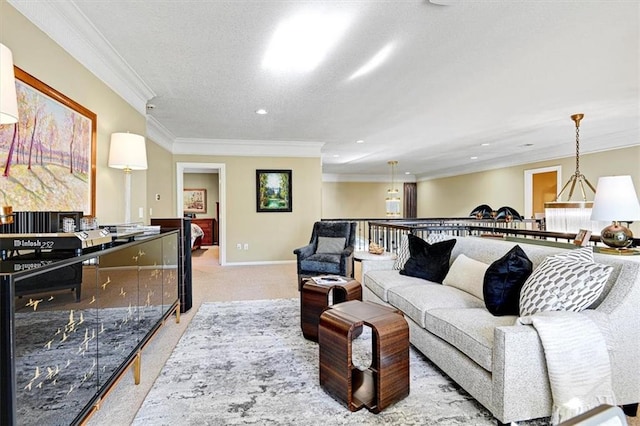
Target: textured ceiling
[[506, 73]]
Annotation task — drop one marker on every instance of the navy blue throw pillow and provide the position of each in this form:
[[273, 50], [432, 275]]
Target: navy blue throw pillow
[[503, 281], [428, 261]]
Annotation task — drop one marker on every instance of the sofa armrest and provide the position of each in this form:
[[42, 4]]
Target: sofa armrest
[[376, 265], [521, 387]]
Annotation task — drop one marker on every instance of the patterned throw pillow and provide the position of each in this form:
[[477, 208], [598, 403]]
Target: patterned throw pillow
[[563, 283], [403, 253], [436, 237]]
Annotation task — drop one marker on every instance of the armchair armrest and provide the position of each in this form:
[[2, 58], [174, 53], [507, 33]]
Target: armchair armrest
[[304, 252]]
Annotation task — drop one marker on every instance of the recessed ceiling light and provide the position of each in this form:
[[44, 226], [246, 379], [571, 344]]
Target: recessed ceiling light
[[374, 62], [335, 156], [359, 141], [261, 111], [407, 173], [301, 42], [474, 158], [485, 144]]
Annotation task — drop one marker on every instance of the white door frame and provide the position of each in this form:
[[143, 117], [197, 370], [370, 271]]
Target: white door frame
[[222, 197], [528, 186]]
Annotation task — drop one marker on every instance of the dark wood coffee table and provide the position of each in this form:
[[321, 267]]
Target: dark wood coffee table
[[314, 299], [386, 381]]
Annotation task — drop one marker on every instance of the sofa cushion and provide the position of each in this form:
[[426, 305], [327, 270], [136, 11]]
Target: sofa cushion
[[331, 245], [417, 299], [321, 263], [504, 280], [562, 283], [379, 282], [470, 330], [467, 275], [428, 261]]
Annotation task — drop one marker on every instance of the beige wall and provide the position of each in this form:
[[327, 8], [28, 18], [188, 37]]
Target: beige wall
[[160, 181], [209, 182], [342, 200], [35, 53], [271, 236], [457, 196]]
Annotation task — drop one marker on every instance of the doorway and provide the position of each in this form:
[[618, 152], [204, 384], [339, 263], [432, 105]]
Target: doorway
[[540, 186], [219, 168]]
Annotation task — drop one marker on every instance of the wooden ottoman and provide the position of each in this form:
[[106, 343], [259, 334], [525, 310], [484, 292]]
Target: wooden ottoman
[[387, 380], [314, 299]]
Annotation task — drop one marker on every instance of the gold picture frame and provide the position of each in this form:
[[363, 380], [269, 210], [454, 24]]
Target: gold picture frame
[[194, 200], [48, 157]]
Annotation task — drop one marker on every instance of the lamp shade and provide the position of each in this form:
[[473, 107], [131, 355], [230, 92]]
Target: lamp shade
[[8, 99], [615, 200], [127, 151]]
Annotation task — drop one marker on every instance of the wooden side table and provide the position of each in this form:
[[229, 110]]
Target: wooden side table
[[314, 299], [386, 381]]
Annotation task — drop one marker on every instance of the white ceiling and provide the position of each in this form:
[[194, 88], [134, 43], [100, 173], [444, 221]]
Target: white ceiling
[[504, 72]]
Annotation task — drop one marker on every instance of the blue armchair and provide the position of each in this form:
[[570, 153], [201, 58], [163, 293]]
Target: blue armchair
[[330, 250]]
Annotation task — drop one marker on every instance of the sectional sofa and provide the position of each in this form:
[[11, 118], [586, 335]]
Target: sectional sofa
[[497, 361]]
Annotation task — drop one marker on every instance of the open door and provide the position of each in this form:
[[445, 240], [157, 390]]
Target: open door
[[540, 186]]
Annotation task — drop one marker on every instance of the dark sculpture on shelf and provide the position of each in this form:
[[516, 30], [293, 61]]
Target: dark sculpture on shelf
[[483, 211], [506, 213]]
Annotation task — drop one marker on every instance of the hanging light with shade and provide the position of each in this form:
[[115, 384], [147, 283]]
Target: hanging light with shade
[[572, 215], [392, 202]]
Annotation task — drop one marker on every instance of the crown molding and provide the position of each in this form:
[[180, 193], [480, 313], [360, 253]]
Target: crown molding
[[247, 148], [65, 24], [336, 177], [160, 134]]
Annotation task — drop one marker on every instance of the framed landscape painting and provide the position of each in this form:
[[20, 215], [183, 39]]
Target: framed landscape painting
[[194, 200], [48, 157], [273, 191]]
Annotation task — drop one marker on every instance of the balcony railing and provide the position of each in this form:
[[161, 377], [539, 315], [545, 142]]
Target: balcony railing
[[388, 232]]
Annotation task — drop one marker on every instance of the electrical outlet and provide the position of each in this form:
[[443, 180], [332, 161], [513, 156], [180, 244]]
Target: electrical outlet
[[246, 246], [157, 197], [140, 212], [239, 246]]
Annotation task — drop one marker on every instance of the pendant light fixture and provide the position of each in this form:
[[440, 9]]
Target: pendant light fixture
[[571, 216], [392, 202]]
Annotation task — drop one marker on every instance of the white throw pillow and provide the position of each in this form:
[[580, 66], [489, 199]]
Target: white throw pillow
[[562, 283], [330, 245], [467, 275]]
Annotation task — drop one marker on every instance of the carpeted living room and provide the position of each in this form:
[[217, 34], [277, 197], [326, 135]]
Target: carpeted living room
[[465, 169], [239, 357]]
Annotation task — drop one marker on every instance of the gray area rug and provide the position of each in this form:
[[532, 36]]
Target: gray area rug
[[247, 363]]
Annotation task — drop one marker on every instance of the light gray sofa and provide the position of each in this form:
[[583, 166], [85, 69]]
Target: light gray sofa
[[499, 363]]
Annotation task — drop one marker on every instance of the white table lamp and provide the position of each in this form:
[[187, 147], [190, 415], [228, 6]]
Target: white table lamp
[[8, 99], [127, 152], [616, 200]]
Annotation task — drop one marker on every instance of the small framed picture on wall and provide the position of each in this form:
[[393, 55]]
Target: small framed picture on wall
[[273, 191], [194, 200]]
